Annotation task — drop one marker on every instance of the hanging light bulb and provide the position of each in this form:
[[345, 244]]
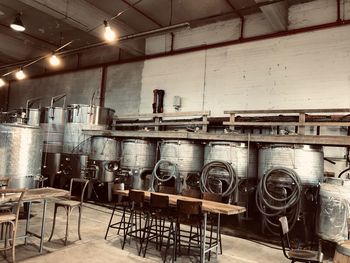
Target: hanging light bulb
[[17, 24], [2, 82], [20, 74], [54, 60], [109, 33]]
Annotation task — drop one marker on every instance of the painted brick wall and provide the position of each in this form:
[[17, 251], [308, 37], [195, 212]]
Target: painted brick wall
[[79, 87], [307, 70], [123, 88]]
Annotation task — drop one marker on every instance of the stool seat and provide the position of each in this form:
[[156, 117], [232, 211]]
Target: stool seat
[[5, 217]]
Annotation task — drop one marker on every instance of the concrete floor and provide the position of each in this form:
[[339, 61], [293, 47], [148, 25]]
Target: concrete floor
[[93, 247]]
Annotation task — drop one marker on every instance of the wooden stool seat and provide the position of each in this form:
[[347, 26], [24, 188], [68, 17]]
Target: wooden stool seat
[[5, 217]]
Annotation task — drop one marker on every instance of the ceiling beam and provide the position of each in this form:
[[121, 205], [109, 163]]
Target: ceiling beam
[[33, 40], [142, 13], [276, 14], [17, 49], [88, 18]]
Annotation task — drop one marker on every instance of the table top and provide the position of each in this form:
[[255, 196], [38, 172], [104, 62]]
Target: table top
[[35, 194], [207, 206]]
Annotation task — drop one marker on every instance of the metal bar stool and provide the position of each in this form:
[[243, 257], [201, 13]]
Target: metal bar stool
[[188, 213], [122, 224], [159, 213], [137, 209]]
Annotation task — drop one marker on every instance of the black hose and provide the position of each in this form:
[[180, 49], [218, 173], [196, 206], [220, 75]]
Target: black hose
[[343, 172], [173, 173], [233, 179], [271, 206]]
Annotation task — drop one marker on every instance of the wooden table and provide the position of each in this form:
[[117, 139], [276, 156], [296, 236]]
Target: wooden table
[[207, 207], [35, 195]]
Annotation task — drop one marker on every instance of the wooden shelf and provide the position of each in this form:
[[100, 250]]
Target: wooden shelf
[[203, 136]]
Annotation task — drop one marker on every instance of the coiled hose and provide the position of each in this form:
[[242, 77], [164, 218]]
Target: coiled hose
[[205, 176], [173, 173], [271, 206]]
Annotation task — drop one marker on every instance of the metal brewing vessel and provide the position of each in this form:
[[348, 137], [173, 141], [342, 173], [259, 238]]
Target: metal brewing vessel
[[242, 158], [84, 117], [52, 123], [33, 117], [305, 160], [20, 151], [334, 201], [188, 155], [138, 154], [104, 149]]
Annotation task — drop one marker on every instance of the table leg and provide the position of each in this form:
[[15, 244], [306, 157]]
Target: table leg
[[29, 205], [42, 232], [218, 235], [203, 238]]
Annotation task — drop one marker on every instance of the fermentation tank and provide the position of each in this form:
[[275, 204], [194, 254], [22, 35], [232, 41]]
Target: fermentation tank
[[20, 151], [52, 124], [287, 169], [242, 158], [187, 155], [137, 160], [305, 160], [84, 117], [334, 204]]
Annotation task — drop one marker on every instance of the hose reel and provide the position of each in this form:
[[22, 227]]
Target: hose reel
[[211, 181], [279, 197], [173, 173]]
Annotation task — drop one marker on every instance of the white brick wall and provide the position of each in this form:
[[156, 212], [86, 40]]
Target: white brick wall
[[309, 70]]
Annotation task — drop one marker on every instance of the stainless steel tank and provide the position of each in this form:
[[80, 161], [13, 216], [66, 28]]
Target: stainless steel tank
[[74, 139], [334, 204], [33, 116], [188, 155], [305, 160], [84, 117], [104, 149], [138, 154], [52, 123], [242, 159], [20, 151], [90, 114]]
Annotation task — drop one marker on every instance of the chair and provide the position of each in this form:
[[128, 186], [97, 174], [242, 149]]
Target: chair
[[189, 213], [137, 209], [69, 204], [190, 192], [167, 189], [122, 224], [11, 218], [159, 212], [296, 255]]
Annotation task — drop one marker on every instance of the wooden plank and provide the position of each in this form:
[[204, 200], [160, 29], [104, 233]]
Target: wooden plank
[[163, 115], [36, 194], [170, 123], [301, 129], [289, 139], [288, 111], [207, 206], [285, 123]]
